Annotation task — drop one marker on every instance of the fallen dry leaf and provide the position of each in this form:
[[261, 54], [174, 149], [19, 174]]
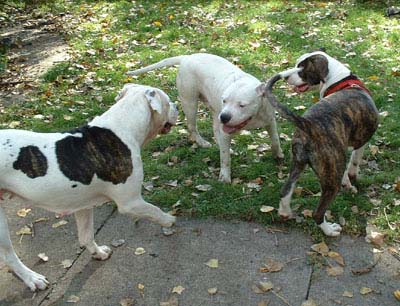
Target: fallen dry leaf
[[374, 236], [320, 248], [173, 183], [271, 266], [335, 271], [178, 289], [140, 251], [127, 302], [365, 290], [212, 263], [212, 291], [173, 301], [26, 230], [204, 187], [59, 223], [348, 294], [23, 212], [73, 299], [307, 213], [67, 263], [43, 257], [309, 302], [397, 294], [337, 257], [265, 286], [263, 303], [266, 209]]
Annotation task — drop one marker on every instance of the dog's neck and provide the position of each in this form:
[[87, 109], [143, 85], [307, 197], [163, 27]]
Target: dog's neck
[[337, 72]]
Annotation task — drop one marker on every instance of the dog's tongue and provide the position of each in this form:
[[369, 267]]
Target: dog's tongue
[[301, 88], [229, 129]]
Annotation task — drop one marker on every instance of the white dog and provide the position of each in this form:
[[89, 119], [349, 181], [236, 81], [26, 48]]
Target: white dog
[[74, 171], [230, 94]]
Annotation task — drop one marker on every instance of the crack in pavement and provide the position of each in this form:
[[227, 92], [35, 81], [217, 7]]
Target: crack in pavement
[[48, 299]]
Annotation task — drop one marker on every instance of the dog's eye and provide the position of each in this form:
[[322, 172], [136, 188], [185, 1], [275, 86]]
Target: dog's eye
[[241, 105], [223, 101]]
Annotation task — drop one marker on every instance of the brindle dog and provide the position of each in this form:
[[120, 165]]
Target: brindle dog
[[345, 116]]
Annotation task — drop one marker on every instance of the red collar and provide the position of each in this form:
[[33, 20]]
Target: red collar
[[347, 83]]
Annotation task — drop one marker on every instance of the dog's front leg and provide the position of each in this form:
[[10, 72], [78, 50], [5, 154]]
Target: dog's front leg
[[139, 208], [32, 279], [84, 223], [224, 143]]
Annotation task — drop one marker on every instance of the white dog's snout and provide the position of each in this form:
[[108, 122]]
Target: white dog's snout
[[225, 117], [289, 72]]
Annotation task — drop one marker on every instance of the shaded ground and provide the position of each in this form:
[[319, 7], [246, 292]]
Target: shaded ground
[[33, 47]]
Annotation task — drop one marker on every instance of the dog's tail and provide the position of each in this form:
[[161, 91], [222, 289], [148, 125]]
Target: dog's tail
[[171, 61], [286, 113]]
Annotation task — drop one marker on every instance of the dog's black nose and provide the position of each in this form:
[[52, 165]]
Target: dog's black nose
[[224, 117]]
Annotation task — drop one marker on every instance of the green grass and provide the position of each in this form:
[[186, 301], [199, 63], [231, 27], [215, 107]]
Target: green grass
[[262, 37]]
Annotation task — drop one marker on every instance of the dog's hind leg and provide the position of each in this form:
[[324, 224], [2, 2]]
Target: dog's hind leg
[[32, 279], [190, 99], [287, 190], [84, 223], [224, 143], [330, 175], [353, 167]]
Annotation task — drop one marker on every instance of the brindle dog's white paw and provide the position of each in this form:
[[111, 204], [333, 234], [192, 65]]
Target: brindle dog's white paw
[[103, 253], [330, 229]]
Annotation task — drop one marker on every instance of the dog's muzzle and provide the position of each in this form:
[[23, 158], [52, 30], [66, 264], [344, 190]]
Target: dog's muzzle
[[231, 129]]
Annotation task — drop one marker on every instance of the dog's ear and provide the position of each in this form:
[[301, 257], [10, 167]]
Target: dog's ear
[[321, 64], [121, 94], [260, 90], [155, 103]]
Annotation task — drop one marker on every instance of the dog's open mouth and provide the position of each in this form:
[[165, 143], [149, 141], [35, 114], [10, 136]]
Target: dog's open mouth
[[166, 128], [301, 88], [229, 129]]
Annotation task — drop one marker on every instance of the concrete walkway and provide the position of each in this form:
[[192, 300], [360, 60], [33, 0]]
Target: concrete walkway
[[180, 260]]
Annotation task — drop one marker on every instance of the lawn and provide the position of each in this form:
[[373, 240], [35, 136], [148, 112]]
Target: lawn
[[108, 38]]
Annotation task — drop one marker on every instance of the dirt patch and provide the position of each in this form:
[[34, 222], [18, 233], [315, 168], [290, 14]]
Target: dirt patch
[[34, 45]]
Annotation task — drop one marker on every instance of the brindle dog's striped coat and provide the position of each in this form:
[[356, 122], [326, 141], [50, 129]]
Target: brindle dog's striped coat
[[346, 118]]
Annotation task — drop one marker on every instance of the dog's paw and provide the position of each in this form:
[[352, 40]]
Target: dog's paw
[[349, 187], [224, 177], [103, 253], [167, 221], [201, 142], [36, 281], [285, 212], [330, 229]]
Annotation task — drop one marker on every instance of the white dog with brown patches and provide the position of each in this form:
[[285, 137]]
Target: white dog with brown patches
[[231, 95], [72, 172]]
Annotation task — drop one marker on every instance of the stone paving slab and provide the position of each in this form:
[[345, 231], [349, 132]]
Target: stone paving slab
[[57, 243], [383, 278], [180, 260]]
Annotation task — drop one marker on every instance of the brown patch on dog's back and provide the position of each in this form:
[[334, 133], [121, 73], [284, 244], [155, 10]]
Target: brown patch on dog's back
[[99, 151], [31, 161]]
